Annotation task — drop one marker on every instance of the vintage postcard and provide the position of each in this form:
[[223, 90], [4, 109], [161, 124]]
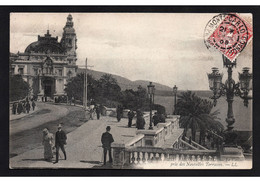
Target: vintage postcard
[[131, 90]]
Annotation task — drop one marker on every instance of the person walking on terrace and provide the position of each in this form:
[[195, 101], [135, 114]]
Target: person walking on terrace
[[140, 122], [97, 111], [14, 108], [28, 107], [47, 141], [119, 112], [33, 105], [106, 141], [20, 107], [131, 115], [60, 141], [155, 119]]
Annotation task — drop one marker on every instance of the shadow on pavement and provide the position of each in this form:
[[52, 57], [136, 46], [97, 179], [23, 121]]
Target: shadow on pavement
[[101, 166], [128, 135], [41, 159], [123, 127], [92, 162]]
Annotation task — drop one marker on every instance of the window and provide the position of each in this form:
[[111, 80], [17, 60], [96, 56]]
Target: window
[[20, 71], [60, 72], [35, 70]]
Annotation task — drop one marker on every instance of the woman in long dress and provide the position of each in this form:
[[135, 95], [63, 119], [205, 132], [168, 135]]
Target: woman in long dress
[[47, 142]]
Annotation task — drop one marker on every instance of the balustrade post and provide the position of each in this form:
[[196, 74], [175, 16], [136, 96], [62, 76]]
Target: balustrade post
[[120, 156]]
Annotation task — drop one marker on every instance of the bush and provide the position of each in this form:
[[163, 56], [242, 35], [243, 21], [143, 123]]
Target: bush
[[19, 88]]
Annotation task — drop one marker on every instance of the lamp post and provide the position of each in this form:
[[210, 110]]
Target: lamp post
[[175, 95], [230, 88], [151, 93]]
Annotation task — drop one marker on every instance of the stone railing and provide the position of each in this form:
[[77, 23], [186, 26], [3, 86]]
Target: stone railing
[[148, 138], [139, 155]]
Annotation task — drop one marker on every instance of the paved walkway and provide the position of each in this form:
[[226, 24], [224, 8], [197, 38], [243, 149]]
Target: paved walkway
[[18, 116], [83, 146], [46, 112]]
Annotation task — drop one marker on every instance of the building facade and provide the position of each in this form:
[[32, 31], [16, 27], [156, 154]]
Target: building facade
[[47, 64]]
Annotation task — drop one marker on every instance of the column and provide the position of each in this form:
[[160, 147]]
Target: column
[[40, 87], [15, 69], [56, 86]]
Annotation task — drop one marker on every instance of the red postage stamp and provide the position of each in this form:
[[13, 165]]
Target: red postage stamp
[[228, 33]]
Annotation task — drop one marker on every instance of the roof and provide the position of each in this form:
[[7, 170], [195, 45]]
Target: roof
[[45, 44]]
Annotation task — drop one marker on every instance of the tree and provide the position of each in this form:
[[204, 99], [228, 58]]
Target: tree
[[196, 114], [109, 87], [19, 89], [75, 87]]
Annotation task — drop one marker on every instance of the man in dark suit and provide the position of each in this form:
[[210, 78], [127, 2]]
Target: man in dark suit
[[131, 115], [60, 141], [106, 140]]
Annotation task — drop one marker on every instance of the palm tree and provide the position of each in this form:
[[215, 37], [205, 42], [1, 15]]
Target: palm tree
[[196, 114]]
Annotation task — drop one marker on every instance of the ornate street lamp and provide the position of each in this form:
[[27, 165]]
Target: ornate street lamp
[[151, 93], [175, 95], [230, 88]]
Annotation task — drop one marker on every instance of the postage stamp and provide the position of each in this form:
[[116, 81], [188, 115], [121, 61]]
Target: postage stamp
[[229, 34]]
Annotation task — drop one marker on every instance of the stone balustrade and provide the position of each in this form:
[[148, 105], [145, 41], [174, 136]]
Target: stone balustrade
[[147, 138], [164, 143], [141, 155]]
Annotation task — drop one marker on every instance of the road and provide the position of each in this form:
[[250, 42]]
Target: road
[[26, 132]]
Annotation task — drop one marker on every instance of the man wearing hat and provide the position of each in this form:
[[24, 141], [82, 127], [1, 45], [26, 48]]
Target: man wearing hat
[[60, 141], [106, 140]]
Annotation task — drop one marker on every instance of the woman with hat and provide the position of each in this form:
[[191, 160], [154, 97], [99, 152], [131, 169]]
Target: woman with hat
[[47, 141]]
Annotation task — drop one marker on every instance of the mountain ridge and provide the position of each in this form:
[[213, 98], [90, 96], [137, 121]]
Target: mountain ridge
[[126, 83]]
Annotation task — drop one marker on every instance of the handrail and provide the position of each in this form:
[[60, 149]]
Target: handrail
[[135, 140], [195, 143], [171, 151], [186, 143], [215, 134]]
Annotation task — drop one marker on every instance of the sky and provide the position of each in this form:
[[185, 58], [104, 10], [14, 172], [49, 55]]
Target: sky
[[167, 48]]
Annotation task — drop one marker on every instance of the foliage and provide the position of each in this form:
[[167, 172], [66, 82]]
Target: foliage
[[109, 87], [35, 87], [196, 114], [19, 88], [135, 99], [75, 87], [106, 91]]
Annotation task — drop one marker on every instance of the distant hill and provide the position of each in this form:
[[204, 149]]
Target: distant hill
[[125, 83], [160, 89]]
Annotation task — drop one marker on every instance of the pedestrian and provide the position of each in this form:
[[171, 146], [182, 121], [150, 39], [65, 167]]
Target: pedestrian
[[14, 107], [106, 141], [91, 111], [140, 122], [60, 141], [47, 141], [28, 107], [24, 107], [155, 119], [33, 104], [119, 112], [97, 111], [130, 115], [20, 107], [161, 118], [92, 108], [73, 100]]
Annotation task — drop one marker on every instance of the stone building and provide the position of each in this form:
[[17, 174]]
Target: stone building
[[47, 64]]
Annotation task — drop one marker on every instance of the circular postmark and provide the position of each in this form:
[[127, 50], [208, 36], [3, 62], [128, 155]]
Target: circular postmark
[[227, 33]]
